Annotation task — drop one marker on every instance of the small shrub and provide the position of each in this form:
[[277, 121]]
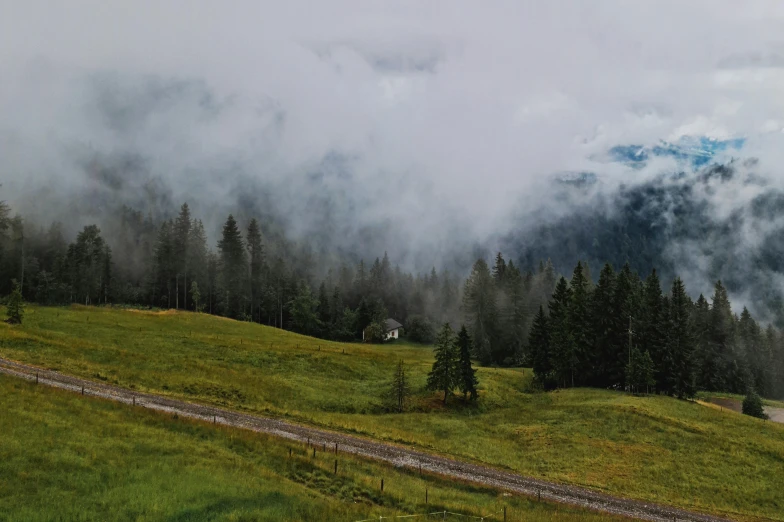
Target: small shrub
[[752, 405]]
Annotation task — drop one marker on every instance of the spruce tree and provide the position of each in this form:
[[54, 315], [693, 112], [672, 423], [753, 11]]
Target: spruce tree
[[479, 302], [444, 376], [400, 388], [623, 309], [233, 268], [680, 342], [652, 325], [561, 337], [603, 323], [467, 379], [256, 266], [181, 240], [639, 372], [580, 325], [15, 306], [752, 405], [539, 349], [196, 296]]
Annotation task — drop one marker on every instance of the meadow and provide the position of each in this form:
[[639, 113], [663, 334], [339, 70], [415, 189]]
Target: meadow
[[648, 448], [66, 457]]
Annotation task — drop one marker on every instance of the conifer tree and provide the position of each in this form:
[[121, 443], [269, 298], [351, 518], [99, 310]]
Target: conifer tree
[[196, 296], [561, 337], [499, 270], [481, 310], [15, 306], [467, 381], [400, 388], [181, 242], [639, 372], [444, 376], [580, 325], [680, 342], [233, 268], [623, 309], [652, 332], [255, 265], [539, 349], [603, 324], [752, 405]]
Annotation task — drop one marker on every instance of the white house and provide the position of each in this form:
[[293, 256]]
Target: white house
[[392, 328]]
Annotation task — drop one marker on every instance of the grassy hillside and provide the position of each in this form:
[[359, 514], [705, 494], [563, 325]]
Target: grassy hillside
[[65, 457], [651, 448]]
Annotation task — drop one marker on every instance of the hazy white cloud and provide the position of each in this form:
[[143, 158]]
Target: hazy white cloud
[[441, 113]]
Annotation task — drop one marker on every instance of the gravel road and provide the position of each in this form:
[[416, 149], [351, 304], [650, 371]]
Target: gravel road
[[393, 454]]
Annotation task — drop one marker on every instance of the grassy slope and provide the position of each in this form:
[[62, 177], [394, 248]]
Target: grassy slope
[[651, 448], [65, 457]]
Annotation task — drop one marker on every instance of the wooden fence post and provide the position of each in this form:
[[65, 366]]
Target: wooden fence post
[[36, 377], [336, 448], [314, 451], [504, 513], [382, 484], [425, 496], [336, 466], [82, 390]]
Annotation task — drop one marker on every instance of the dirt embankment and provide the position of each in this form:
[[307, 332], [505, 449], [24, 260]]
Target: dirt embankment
[[393, 454]]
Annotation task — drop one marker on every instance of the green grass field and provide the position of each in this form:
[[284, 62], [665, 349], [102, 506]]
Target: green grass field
[[66, 457], [649, 448]]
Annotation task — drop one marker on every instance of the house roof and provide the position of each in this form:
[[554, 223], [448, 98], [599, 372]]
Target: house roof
[[392, 325]]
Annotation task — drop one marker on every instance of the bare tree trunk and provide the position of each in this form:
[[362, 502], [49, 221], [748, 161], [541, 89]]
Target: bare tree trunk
[[177, 291]]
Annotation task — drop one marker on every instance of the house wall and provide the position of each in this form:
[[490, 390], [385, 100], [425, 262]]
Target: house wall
[[393, 334]]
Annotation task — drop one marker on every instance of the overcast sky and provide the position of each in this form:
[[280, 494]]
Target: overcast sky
[[438, 107]]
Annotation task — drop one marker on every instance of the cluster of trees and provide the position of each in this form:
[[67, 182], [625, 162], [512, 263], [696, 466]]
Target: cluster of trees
[[248, 276], [624, 332], [574, 333]]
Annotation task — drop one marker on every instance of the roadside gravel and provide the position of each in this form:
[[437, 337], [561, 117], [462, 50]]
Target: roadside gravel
[[393, 454]]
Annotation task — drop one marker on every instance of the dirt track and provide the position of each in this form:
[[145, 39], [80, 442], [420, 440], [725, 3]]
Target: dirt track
[[396, 455]]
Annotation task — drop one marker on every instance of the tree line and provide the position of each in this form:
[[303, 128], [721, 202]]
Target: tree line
[[574, 333], [624, 332]]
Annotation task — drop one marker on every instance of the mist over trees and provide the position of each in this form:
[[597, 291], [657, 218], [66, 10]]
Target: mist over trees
[[624, 333], [572, 332]]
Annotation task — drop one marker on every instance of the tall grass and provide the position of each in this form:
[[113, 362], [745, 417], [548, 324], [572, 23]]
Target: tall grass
[[649, 448]]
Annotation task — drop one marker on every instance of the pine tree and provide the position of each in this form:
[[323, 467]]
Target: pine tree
[[467, 380], [539, 349], [680, 342], [652, 332], [182, 239], [399, 389], [603, 323], [233, 268], [623, 308], [444, 376], [499, 270], [479, 301], [561, 338], [255, 266], [304, 315], [196, 296], [639, 372], [752, 405], [580, 326], [15, 306]]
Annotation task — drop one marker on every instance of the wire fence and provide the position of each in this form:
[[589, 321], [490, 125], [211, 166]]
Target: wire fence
[[442, 515]]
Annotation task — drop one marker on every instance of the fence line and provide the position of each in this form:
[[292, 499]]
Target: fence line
[[442, 513]]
